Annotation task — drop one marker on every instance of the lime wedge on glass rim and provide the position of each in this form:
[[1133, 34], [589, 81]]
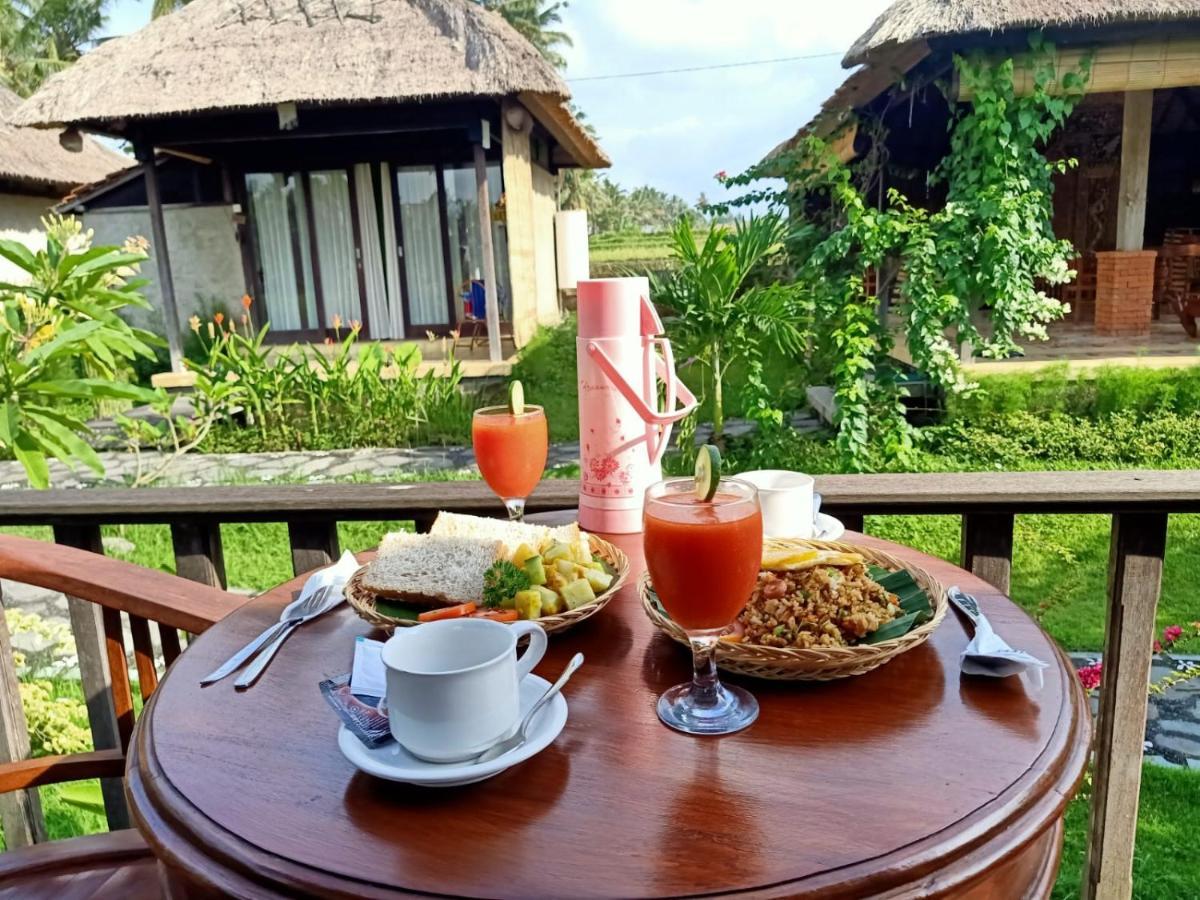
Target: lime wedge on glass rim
[[708, 472], [516, 398]]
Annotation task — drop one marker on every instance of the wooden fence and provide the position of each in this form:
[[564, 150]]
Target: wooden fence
[[1138, 502]]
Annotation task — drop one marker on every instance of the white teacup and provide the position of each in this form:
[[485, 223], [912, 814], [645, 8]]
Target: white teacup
[[786, 499], [453, 686]]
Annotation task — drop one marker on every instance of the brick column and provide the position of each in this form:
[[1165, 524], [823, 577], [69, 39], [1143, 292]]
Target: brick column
[[1124, 291]]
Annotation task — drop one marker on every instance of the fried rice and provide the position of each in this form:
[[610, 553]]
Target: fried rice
[[822, 606]]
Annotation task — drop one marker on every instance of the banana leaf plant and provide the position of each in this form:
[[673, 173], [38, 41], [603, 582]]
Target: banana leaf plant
[[63, 345]]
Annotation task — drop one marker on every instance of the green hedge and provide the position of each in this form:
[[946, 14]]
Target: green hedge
[[1091, 395]]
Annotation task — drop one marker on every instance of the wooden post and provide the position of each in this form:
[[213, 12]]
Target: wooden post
[[484, 202], [314, 544], [20, 811], [87, 624], [162, 257], [199, 555], [987, 547], [1135, 576], [1135, 169]]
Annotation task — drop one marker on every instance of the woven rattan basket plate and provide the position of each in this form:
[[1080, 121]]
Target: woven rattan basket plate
[[815, 664], [363, 601]]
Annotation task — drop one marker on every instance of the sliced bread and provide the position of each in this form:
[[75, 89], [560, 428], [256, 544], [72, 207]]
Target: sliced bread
[[512, 534], [431, 570]]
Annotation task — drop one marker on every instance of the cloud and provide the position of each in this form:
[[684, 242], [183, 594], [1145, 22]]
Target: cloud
[[674, 131]]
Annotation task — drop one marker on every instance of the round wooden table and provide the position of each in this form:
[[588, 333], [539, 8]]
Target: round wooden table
[[908, 781]]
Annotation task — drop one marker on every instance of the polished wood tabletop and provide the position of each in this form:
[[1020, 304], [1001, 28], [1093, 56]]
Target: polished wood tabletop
[[911, 780]]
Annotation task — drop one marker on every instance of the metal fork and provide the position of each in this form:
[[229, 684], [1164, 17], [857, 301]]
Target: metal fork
[[256, 668], [293, 614]]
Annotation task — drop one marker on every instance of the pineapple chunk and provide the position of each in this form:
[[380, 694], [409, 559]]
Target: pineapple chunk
[[599, 580], [529, 604], [523, 553], [552, 604], [577, 593], [568, 569], [581, 552], [555, 551]]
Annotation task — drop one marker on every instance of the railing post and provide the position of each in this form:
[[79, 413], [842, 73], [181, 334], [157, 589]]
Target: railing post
[[20, 811], [199, 555], [853, 521], [1135, 565], [87, 624], [987, 547], [314, 544]]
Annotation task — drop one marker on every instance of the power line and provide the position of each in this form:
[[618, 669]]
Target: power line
[[734, 65]]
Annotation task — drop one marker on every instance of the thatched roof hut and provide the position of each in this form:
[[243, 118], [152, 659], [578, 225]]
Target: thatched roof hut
[[230, 55], [907, 21], [34, 161]]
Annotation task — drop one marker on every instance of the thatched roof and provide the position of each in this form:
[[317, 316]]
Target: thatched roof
[[916, 20], [218, 55], [36, 160]]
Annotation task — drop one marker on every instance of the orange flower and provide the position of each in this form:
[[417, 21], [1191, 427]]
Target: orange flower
[[337, 322], [355, 326], [219, 318], [246, 301]]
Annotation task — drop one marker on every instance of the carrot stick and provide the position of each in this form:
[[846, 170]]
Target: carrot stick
[[450, 612], [496, 615]]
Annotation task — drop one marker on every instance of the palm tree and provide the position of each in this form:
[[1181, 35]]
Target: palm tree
[[41, 37], [536, 21], [164, 7]]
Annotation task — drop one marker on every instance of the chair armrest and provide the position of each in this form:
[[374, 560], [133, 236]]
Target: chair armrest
[[112, 583]]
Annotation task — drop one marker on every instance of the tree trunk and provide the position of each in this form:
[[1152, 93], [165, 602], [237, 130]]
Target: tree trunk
[[718, 412]]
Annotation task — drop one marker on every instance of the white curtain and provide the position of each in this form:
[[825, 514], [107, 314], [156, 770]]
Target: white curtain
[[372, 257], [466, 248], [391, 255], [423, 260], [335, 246], [271, 195]]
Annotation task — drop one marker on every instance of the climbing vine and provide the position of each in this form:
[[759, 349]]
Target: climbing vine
[[990, 247]]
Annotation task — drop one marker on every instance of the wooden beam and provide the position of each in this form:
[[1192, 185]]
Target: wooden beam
[[20, 811], [517, 165], [484, 202], [1135, 169], [199, 554], [314, 543], [1135, 577], [162, 255], [87, 624], [987, 547]]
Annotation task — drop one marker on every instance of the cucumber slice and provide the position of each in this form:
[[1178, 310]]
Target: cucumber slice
[[708, 472], [516, 398]]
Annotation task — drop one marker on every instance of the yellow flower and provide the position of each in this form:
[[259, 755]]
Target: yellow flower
[[194, 324], [337, 322], [211, 332], [40, 336], [355, 326]]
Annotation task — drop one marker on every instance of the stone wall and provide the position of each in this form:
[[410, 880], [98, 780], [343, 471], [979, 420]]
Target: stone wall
[[1124, 291], [21, 212], [206, 263]]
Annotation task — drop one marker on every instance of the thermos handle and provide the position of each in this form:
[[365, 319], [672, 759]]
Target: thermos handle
[[664, 366], [649, 416]]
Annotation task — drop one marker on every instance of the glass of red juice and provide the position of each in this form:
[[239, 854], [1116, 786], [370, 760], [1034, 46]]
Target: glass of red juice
[[704, 558], [510, 450]]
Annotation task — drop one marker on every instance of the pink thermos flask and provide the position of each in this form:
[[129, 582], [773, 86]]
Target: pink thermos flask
[[624, 419]]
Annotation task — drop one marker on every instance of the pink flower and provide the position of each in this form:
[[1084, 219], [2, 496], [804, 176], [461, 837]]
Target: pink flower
[[1090, 676], [1172, 633], [721, 176], [1157, 647]]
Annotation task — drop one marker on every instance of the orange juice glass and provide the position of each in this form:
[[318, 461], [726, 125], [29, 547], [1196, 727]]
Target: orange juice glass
[[510, 451], [704, 558]]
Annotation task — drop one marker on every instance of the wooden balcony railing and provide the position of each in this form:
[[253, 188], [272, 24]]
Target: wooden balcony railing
[[1138, 502]]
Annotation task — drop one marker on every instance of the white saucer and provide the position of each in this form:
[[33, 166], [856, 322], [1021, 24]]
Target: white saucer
[[395, 763], [828, 528]]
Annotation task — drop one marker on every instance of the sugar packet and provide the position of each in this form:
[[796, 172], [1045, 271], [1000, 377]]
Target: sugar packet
[[358, 712]]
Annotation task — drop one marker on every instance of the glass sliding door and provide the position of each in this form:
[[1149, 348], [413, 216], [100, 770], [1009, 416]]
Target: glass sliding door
[[466, 248], [421, 238], [337, 263], [279, 213]]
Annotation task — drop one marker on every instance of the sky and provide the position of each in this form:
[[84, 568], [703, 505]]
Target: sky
[[676, 131]]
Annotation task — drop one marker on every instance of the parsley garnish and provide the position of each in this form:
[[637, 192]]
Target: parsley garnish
[[501, 581]]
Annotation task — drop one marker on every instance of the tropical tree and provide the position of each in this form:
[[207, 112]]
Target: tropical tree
[[537, 21], [721, 312], [164, 7], [41, 37]]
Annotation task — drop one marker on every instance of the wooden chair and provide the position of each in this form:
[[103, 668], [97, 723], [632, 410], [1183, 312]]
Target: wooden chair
[[117, 864]]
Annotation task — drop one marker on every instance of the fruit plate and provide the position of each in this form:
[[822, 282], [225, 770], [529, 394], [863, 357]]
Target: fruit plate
[[815, 663], [387, 614]]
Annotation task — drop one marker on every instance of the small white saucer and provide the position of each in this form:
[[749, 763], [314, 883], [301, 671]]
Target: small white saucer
[[395, 763], [828, 528]]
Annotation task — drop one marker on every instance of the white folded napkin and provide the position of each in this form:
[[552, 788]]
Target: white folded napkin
[[988, 653], [337, 575]]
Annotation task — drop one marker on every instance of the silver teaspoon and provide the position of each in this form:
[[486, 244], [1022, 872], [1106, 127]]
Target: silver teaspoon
[[521, 736]]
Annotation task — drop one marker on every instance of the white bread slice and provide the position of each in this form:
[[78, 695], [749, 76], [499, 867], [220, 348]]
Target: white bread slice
[[429, 570], [512, 534]]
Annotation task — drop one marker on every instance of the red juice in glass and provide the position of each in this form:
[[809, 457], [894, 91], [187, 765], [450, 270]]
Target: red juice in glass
[[510, 450], [703, 556]]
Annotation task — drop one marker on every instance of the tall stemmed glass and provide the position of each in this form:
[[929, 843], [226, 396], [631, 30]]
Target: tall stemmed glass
[[704, 558], [510, 450]]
